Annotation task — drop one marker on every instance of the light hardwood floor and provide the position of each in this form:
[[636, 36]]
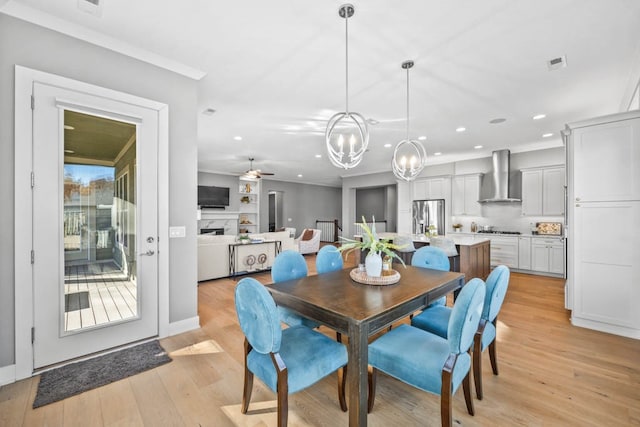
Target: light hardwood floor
[[551, 374]]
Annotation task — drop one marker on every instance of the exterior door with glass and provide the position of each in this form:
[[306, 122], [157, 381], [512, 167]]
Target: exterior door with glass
[[95, 272]]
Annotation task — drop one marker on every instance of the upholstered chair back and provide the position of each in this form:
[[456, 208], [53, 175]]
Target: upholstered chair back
[[497, 284], [258, 316], [465, 316], [288, 265], [431, 257], [328, 259]]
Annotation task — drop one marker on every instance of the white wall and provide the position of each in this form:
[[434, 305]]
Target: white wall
[[45, 50]]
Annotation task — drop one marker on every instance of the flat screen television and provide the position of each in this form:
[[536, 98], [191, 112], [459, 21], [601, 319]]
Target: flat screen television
[[213, 197]]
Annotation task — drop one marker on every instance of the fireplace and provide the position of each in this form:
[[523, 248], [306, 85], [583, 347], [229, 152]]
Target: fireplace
[[216, 231]]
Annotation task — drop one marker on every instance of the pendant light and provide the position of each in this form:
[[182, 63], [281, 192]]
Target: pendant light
[[347, 134], [409, 155]]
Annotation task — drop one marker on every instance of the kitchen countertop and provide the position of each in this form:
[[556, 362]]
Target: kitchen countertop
[[468, 240], [544, 236]]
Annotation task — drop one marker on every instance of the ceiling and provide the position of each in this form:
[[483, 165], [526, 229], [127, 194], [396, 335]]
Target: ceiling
[[274, 72]]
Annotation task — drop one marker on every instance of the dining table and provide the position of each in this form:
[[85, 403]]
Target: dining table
[[359, 310]]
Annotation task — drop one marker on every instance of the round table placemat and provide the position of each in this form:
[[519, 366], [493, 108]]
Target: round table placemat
[[361, 277]]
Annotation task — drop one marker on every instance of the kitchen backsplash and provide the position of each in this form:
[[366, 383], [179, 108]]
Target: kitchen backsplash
[[504, 217]]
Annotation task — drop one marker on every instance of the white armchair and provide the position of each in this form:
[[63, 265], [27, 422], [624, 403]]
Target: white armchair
[[309, 241]]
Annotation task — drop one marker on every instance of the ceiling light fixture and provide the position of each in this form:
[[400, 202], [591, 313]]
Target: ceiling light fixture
[[408, 148], [346, 122], [477, 147], [437, 154], [547, 135], [422, 138], [461, 129], [237, 138], [318, 156], [539, 116], [387, 145]]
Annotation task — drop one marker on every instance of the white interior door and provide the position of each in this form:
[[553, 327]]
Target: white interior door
[[95, 223]]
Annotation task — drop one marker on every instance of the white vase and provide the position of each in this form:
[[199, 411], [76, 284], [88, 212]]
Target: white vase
[[373, 264]]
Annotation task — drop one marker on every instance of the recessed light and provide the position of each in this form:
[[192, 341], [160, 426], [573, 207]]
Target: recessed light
[[437, 154], [209, 111], [318, 156], [477, 147], [461, 129], [372, 122], [237, 138], [387, 145], [299, 175], [67, 127], [422, 138], [498, 120], [547, 135], [539, 116]]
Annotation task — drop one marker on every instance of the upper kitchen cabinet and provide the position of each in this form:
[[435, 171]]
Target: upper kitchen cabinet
[[543, 191], [432, 188], [465, 194], [606, 150]]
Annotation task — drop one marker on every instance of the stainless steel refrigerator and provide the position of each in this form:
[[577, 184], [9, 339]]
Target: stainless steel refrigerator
[[426, 213]]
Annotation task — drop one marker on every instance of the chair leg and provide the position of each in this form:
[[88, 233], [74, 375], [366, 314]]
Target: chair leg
[[493, 357], [466, 388], [373, 374], [446, 404], [477, 364], [248, 380], [282, 389], [342, 383]]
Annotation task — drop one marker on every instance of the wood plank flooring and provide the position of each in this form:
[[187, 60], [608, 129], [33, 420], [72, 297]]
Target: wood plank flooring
[[98, 293], [551, 374]]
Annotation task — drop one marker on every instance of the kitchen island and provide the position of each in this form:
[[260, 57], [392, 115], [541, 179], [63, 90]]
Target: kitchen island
[[474, 253]]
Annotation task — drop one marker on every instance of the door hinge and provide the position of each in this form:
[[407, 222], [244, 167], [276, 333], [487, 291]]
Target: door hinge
[[33, 102], [33, 180], [33, 256], [33, 335]]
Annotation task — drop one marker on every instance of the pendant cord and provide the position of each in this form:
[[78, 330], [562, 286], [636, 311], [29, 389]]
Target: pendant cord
[[346, 26], [407, 103]]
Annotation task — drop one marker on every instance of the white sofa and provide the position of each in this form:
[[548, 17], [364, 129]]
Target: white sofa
[[213, 253]]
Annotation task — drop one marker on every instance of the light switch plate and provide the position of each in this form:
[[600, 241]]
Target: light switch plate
[[180, 231]]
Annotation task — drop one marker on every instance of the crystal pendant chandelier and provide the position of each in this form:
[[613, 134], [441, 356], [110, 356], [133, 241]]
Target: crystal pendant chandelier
[[347, 134], [409, 155]]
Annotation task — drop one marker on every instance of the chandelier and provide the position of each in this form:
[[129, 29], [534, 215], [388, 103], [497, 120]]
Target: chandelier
[[409, 156], [347, 134]]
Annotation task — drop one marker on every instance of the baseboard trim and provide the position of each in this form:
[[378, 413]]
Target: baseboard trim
[[606, 327], [185, 325], [7, 374]]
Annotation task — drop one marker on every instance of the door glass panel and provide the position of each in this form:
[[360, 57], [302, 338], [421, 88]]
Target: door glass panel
[[99, 222]]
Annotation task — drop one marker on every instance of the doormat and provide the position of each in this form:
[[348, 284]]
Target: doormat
[[76, 378], [76, 301]]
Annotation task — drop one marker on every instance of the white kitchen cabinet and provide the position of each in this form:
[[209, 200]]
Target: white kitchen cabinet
[[432, 188], [465, 194], [547, 255], [543, 191], [524, 253], [504, 251], [603, 280]]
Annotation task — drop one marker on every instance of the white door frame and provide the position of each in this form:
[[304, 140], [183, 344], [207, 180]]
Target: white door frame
[[23, 233]]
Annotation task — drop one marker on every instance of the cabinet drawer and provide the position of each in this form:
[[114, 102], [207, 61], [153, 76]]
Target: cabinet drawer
[[504, 250]]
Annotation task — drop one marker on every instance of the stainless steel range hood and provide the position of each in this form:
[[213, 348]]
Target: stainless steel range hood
[[500, 175]]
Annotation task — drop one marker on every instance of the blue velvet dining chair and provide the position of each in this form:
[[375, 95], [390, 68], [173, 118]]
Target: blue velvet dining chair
[[328, 259], [434, 258], [290, 265], [288, 360], [436, 321], [429, 362]]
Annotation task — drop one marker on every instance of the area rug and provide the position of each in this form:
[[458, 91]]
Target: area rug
[[79, 377]]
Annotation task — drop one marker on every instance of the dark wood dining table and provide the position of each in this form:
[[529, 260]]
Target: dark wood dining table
[[359, 310]]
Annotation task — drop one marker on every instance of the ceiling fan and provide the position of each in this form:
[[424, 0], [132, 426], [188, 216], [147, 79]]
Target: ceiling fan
[[254, 173]]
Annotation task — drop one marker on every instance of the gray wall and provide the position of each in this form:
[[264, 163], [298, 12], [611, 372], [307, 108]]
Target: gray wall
[[302, 203], [45, 50], [370, 202]]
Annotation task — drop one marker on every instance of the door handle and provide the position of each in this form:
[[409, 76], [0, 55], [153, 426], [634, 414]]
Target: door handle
[[148, 253]]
